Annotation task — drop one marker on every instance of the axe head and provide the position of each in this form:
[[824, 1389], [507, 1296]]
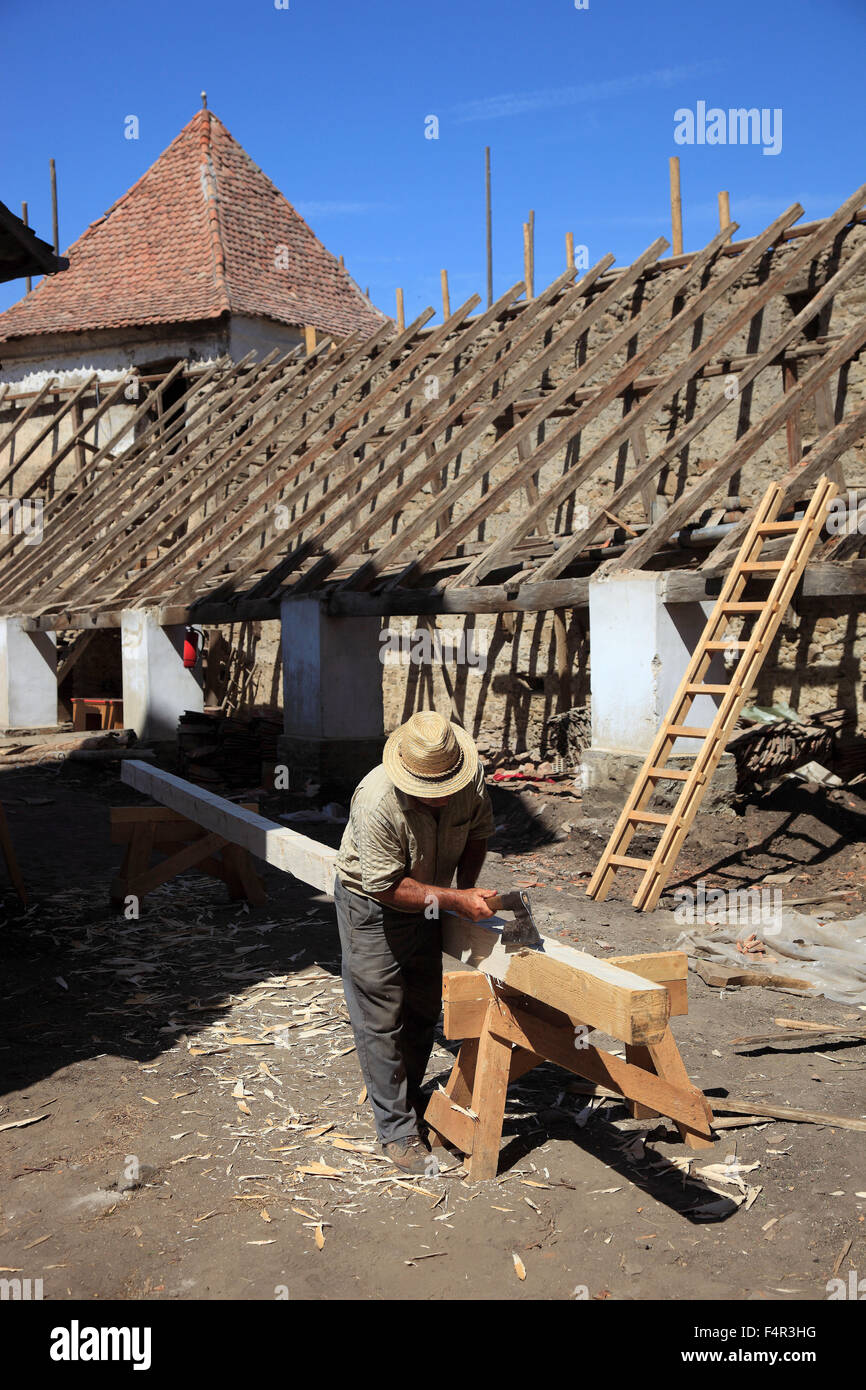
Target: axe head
[[522, 931]]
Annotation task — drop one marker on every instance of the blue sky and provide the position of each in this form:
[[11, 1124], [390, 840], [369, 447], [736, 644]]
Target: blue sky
[[330, 98]]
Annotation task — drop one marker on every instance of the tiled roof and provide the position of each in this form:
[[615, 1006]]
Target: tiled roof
[[203, 233]]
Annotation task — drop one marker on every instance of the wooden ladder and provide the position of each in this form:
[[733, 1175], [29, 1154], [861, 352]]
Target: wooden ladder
[[767, 613]]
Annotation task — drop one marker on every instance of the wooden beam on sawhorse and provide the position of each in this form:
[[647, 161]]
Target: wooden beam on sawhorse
[[186, 845], [505, 1034]]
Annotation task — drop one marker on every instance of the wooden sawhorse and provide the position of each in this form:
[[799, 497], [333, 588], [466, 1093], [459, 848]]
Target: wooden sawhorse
[[505, 1034], [187, 845]]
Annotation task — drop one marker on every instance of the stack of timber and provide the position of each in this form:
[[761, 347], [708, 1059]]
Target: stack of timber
[[216, 749], [25, 749], [765, 752]]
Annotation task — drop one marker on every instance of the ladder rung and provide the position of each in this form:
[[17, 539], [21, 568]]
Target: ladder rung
[[743, 607], [757, 566], [676, 774], [652, 816], [686, 731], [725, 646], [624, 861], [698, 689], [775, 528]]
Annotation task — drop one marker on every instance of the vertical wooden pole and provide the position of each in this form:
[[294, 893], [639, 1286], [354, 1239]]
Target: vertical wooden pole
[[309, 338], [792, 424], [489, 227], [676, 206], [489, 1089], [527, 261], [532, 252], [446, 298], [54, 217], [563, 669], [27, 280], [530, 487], [401, 317], [639, 1056], [569, 249], [669, 1065], [78, 428], [724, 210]]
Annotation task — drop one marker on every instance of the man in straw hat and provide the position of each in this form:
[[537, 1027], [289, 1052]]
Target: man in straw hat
[[420, 818]]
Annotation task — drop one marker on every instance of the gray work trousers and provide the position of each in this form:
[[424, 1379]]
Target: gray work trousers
[[392, 977]]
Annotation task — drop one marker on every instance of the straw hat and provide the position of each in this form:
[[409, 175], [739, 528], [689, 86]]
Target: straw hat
[[428, 756]]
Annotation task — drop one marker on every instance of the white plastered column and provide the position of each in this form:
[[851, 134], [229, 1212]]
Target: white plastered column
[[28, 676], [157, 687], [640, 646]]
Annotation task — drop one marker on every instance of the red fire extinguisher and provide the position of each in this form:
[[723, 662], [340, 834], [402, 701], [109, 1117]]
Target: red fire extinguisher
[[191, 644]]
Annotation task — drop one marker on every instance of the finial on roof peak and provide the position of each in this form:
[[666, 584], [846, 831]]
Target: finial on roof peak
[[204, 101]]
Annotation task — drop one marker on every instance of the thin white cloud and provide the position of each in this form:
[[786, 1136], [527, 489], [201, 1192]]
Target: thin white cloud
[[520, 103]]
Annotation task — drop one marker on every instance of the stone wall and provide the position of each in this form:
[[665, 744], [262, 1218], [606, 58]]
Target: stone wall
[[505, 683]]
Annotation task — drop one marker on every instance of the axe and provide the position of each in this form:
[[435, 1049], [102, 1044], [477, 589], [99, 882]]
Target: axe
[[522, 931]]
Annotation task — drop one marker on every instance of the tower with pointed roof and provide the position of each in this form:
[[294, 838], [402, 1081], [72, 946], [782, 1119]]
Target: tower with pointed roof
[[202, 256]]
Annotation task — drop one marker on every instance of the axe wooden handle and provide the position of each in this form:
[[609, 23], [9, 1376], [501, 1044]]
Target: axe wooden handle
[[510, 902]]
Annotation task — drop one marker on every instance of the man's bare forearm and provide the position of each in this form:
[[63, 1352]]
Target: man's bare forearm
[[411, 896]]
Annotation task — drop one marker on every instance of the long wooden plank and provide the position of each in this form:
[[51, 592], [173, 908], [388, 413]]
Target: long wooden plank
[[788, 1112], [285, 849], [601, 995]]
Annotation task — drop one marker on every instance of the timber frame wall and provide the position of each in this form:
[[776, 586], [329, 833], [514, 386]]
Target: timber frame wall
[[438, 468]]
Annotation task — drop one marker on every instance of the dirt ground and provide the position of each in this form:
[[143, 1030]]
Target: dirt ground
[[199, 1130]]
